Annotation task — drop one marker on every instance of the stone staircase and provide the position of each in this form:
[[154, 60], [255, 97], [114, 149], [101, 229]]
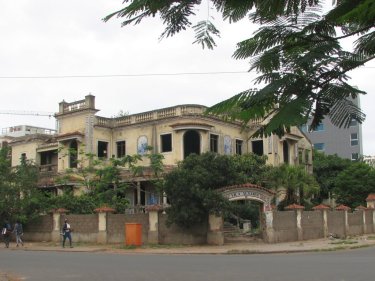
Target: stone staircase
[[233, 234]]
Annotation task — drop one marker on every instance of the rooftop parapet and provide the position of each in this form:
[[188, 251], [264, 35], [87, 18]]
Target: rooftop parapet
[[69, 107]]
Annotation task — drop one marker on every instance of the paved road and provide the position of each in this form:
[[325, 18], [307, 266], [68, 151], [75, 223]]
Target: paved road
[[352, 265]]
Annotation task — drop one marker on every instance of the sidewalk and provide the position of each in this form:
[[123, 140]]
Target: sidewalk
[[235, 248]]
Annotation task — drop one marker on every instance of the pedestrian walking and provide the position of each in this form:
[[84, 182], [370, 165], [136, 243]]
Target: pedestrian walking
[[18, 231], [5, 232], [66, 231]]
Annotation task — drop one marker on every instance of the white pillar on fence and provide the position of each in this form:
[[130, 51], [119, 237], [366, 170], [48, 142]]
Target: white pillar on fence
[[102, 224], [364, 229], [299, 224], [270, 232], [56, 230], [324, 209], [153, 222], [215, 234]]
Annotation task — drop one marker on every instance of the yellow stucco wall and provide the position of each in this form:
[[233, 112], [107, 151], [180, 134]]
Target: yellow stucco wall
[[272, 146], [72, 123], [176, 121], [28, 148]]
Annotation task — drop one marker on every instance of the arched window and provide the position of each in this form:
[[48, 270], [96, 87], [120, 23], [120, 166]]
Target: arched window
[[73, 154], [286, 151], [192, 143]]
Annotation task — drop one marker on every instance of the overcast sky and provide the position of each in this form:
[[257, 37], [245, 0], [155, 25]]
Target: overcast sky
[[45, 39]]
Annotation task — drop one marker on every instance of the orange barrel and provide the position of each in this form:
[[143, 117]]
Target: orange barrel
[[133, 234]]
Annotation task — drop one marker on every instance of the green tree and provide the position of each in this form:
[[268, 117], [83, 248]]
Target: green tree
[[326, 169], [354, 184], [103, 180], [297, 51], [191, 187], [82, 204], [295, 183], [20, 199]]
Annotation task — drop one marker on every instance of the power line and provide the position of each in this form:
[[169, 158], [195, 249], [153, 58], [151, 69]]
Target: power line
[[134, 75], [34, 113], [122, 75]]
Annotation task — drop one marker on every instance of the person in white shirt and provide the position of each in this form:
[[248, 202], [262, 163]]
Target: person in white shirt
[[66, 231]]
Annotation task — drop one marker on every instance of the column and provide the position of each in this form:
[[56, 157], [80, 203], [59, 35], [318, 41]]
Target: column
[[269, 234], [325, 223], [165, 203], [364, 229], [102, 228], [56, 219], [346, 221], [138, 193], [153, 220], [299, 224], [55, 235], [215, 234], [102, 224]]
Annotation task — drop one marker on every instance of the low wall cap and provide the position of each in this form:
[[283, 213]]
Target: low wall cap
[[294, 207], [321, 207], [60, 210], [104, 209], [155, 207], [342, 208]]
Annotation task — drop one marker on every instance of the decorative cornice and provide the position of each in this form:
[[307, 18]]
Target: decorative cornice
[[191, 125]]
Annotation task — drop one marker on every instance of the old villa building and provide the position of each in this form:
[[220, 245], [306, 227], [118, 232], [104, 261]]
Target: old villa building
[[175, 132]]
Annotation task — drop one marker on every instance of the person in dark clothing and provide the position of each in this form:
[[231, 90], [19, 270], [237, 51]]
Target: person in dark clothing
[[18, 231], [66, 231], [6, 230]]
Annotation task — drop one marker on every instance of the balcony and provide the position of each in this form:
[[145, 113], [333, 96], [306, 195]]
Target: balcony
[[48, 169], [180, 110]]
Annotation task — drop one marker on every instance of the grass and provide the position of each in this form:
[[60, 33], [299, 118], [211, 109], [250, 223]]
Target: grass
[[243, 252], [344, 242]]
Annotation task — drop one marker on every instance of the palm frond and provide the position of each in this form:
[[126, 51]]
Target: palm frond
[[365, 44], [290, 114], [132, 11], [176, 17], [234, 10], [203, 34], [244, 107], [344, 111]]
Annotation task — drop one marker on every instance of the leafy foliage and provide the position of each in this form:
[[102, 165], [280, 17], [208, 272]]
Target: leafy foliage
[[19, 197], [296, 51], [296, 185], [326, 169], [103, 180], [354, 184], [243, 210], [191, 187], [82, 204]]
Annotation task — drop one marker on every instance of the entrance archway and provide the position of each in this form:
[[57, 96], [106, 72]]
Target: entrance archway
[[251, 192]]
